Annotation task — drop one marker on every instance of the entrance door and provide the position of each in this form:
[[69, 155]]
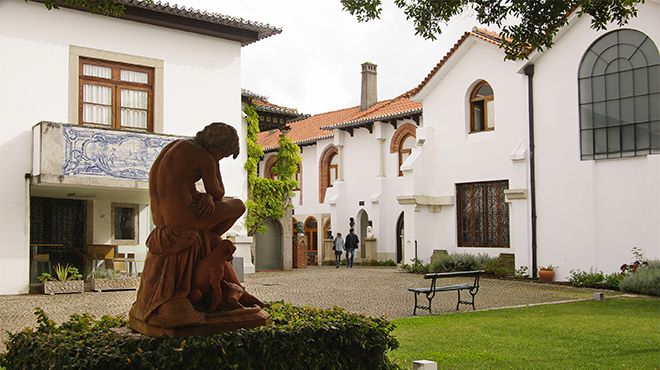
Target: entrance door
[[312, 236], [268, 248], [57, 234], [364, 222], [399, 239]]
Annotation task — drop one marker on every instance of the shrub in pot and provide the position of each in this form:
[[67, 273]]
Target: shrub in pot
[[547, 273], [67, 279]]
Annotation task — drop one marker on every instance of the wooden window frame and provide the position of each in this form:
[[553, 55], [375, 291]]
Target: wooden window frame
[[502, 237], [329, 170], [117, 84], [488, 126], [403, 151]]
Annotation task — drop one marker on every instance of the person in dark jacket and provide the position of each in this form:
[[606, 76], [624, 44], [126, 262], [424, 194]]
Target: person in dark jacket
[[351, 245]]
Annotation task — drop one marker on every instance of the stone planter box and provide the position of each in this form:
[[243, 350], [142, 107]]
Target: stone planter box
[[61, 287], [123, 283]]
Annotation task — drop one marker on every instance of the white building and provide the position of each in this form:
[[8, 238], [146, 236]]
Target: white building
[[350, 170], [592, 193], [87, 101]]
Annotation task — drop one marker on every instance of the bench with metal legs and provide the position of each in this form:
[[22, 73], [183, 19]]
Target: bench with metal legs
[[429, 292]]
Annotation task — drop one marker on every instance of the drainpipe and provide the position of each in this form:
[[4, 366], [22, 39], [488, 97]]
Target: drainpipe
[[529, 72]]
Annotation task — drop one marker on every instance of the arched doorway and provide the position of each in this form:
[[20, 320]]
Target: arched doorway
[[312, 236], [268, 247], [363, 222], [399, 239]]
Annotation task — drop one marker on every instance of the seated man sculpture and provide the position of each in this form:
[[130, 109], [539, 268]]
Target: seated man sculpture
[[189, 225]]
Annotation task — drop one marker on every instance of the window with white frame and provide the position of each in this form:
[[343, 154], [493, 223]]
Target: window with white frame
[[125, 223]]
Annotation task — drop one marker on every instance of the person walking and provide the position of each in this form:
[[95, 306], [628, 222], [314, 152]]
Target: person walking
[[338, 247], [351, 245]]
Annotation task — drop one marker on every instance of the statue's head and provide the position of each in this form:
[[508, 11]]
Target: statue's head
[[219, 139]]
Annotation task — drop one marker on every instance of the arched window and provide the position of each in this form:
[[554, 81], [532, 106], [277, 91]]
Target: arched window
[[403, 140], [328, 170], [311, 233], [405, 149], [482, 108], [619, 89], [268, 167]]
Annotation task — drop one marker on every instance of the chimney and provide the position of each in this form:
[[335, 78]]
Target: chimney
[[368, 97]]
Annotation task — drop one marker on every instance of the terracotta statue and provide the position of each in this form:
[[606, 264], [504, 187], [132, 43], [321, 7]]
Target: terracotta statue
[[186, 247]]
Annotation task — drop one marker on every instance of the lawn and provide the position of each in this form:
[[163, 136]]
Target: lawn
[[617, 333]]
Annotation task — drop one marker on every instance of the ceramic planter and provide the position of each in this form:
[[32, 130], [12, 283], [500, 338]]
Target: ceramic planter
[[123, 283], [61, 287], [546, 275]]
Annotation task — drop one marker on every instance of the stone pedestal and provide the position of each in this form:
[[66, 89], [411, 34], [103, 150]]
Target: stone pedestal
[[244, 250], [299, 252], [238, 265], [328, 253], [370, 249]]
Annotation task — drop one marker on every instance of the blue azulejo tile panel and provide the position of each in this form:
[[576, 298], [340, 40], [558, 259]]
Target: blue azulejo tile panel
[[105, 153]]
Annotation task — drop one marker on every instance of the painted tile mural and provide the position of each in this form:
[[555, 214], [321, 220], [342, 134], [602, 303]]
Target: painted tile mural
[[123, 155]]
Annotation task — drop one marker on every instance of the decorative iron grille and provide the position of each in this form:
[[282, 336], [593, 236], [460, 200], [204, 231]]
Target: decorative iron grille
[[482, 214]]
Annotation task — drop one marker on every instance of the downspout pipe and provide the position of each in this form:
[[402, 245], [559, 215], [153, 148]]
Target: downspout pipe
[[529, 72]]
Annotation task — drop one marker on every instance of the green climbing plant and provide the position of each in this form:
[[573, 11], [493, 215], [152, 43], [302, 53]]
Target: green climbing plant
[[268, 198]]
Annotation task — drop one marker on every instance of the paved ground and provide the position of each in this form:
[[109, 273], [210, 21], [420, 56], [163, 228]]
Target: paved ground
[[379, 291]]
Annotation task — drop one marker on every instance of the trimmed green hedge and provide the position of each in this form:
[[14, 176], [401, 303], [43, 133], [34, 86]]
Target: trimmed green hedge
[[300, 338]]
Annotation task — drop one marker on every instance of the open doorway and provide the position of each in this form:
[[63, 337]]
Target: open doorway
[[363, 222], [399, 239]]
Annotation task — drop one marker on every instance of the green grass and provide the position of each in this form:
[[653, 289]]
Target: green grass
[[618, 333]]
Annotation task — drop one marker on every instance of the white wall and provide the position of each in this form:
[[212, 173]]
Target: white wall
[[453, 155], [590, 213], [201, 85]]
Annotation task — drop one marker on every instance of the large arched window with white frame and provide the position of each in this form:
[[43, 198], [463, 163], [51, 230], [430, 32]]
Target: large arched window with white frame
[[619, 96]]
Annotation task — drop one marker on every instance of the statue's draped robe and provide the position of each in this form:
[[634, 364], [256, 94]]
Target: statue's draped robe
[[168, 268]]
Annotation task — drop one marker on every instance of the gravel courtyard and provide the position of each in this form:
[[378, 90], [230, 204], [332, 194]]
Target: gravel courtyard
[[378, 291]]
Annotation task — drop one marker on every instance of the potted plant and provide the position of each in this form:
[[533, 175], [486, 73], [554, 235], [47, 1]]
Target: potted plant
[[108, 279], [67, 279], [547, 273]]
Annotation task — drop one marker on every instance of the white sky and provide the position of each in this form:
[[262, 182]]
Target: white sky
[[314, 64]]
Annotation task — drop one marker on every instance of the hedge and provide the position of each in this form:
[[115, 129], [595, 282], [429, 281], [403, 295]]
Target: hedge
[[299, 338]]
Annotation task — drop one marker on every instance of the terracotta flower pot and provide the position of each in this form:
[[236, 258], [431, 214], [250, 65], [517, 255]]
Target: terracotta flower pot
[[546, 275]]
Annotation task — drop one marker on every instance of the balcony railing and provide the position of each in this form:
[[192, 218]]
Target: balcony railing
[[80, 155]]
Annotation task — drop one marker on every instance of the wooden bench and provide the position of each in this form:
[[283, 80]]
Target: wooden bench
[[472, 288]]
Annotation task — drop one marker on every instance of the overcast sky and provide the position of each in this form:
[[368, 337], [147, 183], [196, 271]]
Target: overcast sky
[[314, 64]]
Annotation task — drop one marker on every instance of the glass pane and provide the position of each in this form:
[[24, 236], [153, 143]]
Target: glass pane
[[641, 81], [613, 113], [654, 78], [628, 138], [97, 94], [598, 88], [600, 140], [654, 106], [585, 116], [134, 99], [638, 59], [650, 52], [641, 108], [585, 90], [610, 55], [642, 137], [97, 71], [625, 52], [632, 37], [587, 142], [655, 136], [612, 86], [124, 223], [133, 76], [600, 116], [626, 84], [490, 110], [613, 67], [478, 116], [587, 64], [134, 118], [334, 160], [613, 140], [408, 142], [484, 90], [627, 110], [599, 67], [99, 114], [605, 42]]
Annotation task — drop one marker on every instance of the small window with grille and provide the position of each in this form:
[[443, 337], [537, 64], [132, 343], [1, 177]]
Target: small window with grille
[[482, 214]]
